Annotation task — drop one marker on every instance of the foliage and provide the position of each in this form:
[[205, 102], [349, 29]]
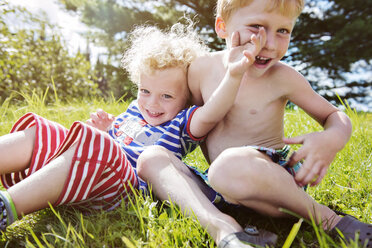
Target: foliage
[[326, 29], [32, 58], [330, 38], [111, 21], [113, 80], [145, 222], [35, 59], [334, 34]]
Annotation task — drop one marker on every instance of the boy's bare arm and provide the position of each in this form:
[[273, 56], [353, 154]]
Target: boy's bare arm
[[319, 148], [222, 99]]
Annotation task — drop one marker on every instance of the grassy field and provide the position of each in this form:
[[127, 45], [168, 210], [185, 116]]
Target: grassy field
[[145, 222]]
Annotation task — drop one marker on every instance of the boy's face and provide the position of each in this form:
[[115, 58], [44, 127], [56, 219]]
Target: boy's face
[[247, 21], [162, 95]]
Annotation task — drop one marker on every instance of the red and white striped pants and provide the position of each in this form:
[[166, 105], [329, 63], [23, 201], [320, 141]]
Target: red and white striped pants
[[100, 173]]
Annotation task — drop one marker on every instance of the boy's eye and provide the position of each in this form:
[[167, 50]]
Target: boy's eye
[[256, 26], [144, 91], [284, 31], [166, 96]]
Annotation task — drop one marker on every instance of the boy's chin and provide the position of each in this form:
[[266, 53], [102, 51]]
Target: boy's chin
[[155, 122], [258, 71]]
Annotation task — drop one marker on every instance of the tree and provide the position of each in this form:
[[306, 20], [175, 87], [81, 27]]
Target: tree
[[330, 36], [112, 20], [335, 38], [31, 59]]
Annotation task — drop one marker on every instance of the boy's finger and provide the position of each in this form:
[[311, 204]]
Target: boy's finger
[[255, 40], [313, 174], [292, 161], [101, 114], [262, 36], [111, 117], [235, 39], [89, 122], [248, 56], [305, 174], [301, 174], [258, 41], [294, 140], [250, 53], [320, 177], [296, 157], [309, 178], [95, 118]]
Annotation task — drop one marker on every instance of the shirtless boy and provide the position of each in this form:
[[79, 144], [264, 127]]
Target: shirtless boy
[[246, 148]]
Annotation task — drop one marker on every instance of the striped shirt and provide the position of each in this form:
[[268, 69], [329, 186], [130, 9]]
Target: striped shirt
[[134, 134]]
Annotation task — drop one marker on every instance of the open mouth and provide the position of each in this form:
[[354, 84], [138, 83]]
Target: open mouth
[[154, 114], [261, 60]]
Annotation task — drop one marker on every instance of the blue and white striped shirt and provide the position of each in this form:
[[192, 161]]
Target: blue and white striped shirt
[[133, 134]]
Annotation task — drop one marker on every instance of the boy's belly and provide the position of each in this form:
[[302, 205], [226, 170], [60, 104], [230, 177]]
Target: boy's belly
[[223, 137]]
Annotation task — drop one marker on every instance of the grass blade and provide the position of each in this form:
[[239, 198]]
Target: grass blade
[[292, 234]]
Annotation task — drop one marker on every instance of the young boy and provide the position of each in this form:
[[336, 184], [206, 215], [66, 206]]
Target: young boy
[[91, 166], [247, 147]]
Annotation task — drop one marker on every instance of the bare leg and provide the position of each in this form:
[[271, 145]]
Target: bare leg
[[43, 186], [258, 183], [16, 150], [170, 178]]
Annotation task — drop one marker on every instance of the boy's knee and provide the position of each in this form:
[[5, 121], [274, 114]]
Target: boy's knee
[[238, 165], [221, 166], [232, 158], [150, 160]]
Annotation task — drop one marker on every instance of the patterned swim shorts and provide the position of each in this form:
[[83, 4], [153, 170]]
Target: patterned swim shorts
[[279, 156]]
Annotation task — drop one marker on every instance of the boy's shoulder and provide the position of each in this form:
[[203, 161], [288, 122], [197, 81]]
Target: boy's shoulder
[[285, 73], [204, 65], [208, 59], [201, 69], [288, 83], [281, 67]]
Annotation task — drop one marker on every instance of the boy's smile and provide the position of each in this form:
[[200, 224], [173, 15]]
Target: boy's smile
[[278, 28], [262, 60], [162, 95]]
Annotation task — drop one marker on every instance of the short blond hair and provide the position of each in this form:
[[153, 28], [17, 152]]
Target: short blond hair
[[154, 49], [225, 8]]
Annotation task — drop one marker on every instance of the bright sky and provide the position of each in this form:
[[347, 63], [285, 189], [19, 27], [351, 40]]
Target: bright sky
[[71, 27]]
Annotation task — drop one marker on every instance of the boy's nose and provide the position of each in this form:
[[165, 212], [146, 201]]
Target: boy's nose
[[270, 43], [153, 101]]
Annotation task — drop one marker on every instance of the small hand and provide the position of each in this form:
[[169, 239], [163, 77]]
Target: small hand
[[317, 154], [243, 55], [101, 120]]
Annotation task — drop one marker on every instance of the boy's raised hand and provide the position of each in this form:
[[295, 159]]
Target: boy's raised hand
[[242, 56], [101, 120], [317, 153]]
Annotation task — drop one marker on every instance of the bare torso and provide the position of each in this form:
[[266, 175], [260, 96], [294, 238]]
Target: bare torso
[[256, 118]]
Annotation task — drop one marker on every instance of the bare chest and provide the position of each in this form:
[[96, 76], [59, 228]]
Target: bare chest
[[254, 101], [256, 118]]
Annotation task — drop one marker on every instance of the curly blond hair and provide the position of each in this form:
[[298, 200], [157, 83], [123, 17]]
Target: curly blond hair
[[154, 49], [226, 7]]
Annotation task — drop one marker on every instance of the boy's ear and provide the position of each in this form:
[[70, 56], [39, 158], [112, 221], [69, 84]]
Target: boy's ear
[[220, 27]]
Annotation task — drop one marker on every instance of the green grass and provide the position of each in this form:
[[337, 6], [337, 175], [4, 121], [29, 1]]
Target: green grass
[[145, 222]]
